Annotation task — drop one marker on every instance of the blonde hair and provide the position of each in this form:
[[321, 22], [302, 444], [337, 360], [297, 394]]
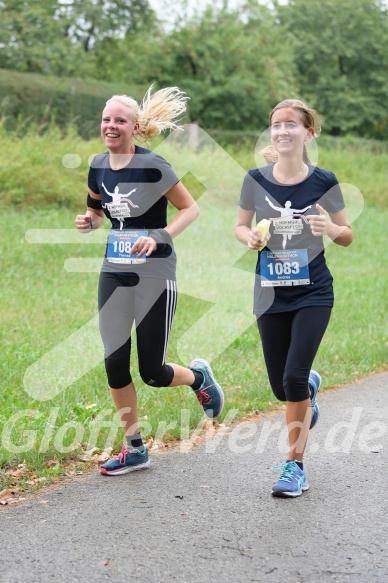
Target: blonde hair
[[309, 117], [269, 154], [158, 112]]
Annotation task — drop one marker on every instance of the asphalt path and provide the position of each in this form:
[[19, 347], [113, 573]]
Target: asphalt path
[[205, 513]]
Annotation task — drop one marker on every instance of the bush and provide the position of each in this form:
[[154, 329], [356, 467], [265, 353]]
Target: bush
[[39, 99]]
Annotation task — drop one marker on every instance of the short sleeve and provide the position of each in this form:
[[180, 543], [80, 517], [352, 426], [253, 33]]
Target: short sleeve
[[164, 175], [247, 193], [333, 200], [92, 180]]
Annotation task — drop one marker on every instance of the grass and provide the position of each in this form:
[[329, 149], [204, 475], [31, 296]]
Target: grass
[[43, 304]]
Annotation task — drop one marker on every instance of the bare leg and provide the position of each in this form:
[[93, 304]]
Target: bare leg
[[182, 376], [298, 418], [125, 400]]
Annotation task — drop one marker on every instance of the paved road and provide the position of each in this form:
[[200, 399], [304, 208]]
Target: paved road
[[206, 515]]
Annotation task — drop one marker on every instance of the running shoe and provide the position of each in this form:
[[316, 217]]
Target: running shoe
[[209, 394], [292, 482], [128, 460], [314, 385]]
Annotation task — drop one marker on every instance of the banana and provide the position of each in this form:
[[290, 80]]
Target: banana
[[263, 228]]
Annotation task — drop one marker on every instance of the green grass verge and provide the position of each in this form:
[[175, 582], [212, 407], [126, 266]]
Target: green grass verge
[[42, 304]]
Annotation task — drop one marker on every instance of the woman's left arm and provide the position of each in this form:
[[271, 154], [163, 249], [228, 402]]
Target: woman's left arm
[[337, 227], [188, 210]]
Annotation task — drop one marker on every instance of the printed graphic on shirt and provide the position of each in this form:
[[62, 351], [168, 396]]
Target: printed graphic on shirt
[[119, 208], [287, 225]]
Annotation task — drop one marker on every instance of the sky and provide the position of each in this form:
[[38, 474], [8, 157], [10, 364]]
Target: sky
[[166, 9], [163, 5]]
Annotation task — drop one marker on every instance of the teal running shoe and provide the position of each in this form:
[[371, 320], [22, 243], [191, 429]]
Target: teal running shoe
[[128, 460], [210, 395], [292, 482], [314, 385]]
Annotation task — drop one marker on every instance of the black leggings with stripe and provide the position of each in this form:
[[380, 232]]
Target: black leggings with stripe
[[125, 299]]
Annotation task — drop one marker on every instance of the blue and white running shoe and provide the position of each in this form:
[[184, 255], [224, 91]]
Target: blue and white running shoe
[[314, 385], [128, 460], [292, 482], [209, 394]]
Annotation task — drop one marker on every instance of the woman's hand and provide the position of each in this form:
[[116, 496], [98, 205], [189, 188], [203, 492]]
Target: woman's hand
[[83, 223], [145, 245], [319, 224], [337, 228], [254, 241]]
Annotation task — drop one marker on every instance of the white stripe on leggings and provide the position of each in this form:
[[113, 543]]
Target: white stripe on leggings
[[170, 309]]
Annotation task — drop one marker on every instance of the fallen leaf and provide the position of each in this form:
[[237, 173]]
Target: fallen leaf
[[84, 457], [52, 464], [102, 458], [5, 493]]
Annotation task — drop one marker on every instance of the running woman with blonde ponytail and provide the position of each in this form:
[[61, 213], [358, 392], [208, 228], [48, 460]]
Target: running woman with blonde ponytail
[[132, 186]]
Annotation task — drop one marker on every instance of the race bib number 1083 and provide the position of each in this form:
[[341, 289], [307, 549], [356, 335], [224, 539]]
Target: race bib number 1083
[[284, 267]]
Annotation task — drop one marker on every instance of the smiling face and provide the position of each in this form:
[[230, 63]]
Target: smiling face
[[288, 133], [118, 128]]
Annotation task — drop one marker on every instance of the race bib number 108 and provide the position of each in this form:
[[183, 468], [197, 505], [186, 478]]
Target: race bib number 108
[[120, 245]]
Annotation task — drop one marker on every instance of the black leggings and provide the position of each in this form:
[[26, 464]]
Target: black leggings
[[122, 300], [290, 342]]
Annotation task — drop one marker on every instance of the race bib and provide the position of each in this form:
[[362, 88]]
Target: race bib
[[285, 267], [120, 244]]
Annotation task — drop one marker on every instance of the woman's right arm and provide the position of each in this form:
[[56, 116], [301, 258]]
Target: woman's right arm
[[92, 219], [244, 232]]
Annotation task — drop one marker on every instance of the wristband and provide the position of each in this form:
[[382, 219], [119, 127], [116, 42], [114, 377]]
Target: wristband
[[162, 238], [93, 203]]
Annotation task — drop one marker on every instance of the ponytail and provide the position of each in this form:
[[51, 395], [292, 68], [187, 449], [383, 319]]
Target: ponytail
[[158, 112]]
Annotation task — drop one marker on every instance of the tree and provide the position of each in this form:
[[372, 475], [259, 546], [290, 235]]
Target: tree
[[31, 37], [92, 21], [342, 61], [59, 37], [234, 65]]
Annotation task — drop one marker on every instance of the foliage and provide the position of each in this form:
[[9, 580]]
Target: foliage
[[234, 63], [60, 38], [40, 155], [38, 99], [342, 61]]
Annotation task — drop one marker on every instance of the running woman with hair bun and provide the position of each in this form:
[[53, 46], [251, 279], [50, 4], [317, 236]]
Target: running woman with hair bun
[[293, 295], [132, 186]]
